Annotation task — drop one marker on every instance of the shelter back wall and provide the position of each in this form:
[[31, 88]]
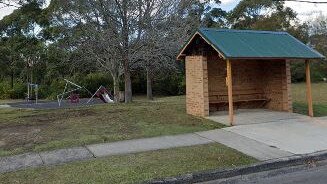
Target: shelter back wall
[[252, 79]]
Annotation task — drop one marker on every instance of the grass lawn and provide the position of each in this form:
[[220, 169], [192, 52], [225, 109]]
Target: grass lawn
[[319, 95], [135, 168], [24, 130]]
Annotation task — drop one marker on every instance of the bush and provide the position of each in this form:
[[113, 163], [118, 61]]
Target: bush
[[173, 84], [93, 81], [4, 88], [19, 90]]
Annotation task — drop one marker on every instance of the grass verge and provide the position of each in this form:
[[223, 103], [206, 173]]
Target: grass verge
[[135, 168], [319, 110], [319, 95]]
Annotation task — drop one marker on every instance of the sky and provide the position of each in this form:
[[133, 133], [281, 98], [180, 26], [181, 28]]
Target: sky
[[305, 11]]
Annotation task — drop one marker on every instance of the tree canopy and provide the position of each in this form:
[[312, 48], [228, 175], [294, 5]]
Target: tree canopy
[[133, 43]]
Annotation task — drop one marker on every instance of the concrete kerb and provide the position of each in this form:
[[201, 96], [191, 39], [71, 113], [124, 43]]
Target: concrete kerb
[[245, 170], [19, 162], [33, 160]]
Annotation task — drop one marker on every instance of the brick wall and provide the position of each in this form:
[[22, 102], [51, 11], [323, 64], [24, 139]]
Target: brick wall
[[197, 100], [278, 85], [287, 98]]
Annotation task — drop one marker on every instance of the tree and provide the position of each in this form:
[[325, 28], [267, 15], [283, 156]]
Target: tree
[[165, 29], [20, 35], [113, 31], [261, 15], [213, 16], [318, 40]]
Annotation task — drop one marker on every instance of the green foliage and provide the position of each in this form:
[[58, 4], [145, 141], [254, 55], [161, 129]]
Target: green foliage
[[173, 84], [4, 90], [17, 92], [93, 81]]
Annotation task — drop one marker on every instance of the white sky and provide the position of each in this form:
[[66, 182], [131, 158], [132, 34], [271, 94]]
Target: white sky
[[305, 11]]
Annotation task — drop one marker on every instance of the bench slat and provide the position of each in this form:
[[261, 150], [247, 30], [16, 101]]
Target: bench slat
[[237, 101]]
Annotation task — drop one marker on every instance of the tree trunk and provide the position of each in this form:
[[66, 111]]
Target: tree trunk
[[128, 82], [149, 84], [116, 89], [125, 33], [12, 79]]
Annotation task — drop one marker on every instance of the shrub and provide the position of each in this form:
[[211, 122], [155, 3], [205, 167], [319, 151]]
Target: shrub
[[19, 90]]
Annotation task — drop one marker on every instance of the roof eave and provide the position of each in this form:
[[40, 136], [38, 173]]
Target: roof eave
[[181, 53], [273, 58]]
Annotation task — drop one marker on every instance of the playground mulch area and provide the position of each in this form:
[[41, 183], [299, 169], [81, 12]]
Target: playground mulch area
[[53, 104], [41, 129]]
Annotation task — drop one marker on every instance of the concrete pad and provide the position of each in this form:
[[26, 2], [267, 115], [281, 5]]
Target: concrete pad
[[298, 136], [245, 145], [321, 119], [149, 144], [253, 116], [17, 162], [65, 155]]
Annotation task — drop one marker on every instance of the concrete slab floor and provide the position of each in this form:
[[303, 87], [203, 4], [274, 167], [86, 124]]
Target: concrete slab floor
[[298, 136], [253, 116]]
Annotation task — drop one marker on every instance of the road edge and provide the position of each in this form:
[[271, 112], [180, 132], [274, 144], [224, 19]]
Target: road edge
[[216, 174]]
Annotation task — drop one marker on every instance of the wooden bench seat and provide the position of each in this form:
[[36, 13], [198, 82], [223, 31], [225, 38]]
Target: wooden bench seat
[[239, 101]]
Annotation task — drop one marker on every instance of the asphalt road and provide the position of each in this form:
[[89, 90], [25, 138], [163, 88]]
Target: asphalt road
[[316, 175]]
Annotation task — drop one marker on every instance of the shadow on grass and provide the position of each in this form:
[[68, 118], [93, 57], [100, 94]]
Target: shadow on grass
[[319, 110]]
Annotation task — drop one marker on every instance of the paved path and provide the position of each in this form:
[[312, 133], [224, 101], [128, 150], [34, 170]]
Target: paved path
[[243, 144]]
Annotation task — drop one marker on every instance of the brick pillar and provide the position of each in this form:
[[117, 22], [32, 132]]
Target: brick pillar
[[287, 87], [197, 95]]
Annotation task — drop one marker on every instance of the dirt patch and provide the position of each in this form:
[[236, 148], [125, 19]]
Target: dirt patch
[[46, 118], [2, 143], [19, 136]]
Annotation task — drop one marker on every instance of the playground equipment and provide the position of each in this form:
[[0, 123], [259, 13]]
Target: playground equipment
[[103, 94], [74, 98], [30, 88]]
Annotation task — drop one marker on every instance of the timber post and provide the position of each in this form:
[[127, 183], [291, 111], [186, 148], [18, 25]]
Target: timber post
[[309, 92], [230, 92]]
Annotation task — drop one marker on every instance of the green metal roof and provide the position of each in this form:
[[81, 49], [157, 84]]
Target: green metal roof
[[257, 44]]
